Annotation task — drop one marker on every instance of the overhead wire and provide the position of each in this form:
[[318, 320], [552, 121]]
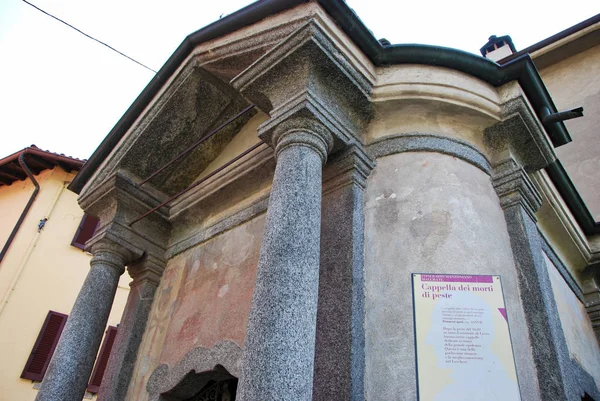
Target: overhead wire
[[88, 36]]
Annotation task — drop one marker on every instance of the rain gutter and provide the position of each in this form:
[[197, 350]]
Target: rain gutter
[[27, 207]]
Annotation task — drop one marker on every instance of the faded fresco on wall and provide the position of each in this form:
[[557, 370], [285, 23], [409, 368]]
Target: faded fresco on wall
[[216, 292], [576, 325], [204, 297]]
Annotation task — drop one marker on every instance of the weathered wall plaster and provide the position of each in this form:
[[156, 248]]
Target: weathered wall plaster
[[576, 324], [429, 213], [204, 298], [575, 82]]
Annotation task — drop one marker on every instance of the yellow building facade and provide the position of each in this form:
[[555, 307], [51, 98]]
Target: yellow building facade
[[40, 271]]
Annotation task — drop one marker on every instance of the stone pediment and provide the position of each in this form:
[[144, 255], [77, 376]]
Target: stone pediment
[[196, 104], [195, 101]]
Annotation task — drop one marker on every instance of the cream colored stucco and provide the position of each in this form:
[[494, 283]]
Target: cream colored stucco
[[576, 324], [430, 213], [40, 272], [574, 82], [434, 100]]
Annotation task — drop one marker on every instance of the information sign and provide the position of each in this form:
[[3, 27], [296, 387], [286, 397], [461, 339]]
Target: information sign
[[463, 343]]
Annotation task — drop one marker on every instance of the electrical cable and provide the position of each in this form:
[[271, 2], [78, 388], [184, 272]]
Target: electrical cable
[[91, 37]]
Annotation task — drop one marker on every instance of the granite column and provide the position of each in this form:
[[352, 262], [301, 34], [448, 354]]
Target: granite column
[[146, 276], [71, 365], [280, 342], [340, 338], [519, 200]]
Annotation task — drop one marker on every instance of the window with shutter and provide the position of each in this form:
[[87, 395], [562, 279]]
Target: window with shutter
[[44, 346], [102, 361], [85, 231]]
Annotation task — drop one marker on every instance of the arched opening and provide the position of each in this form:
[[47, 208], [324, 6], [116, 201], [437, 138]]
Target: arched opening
[[212, 385]]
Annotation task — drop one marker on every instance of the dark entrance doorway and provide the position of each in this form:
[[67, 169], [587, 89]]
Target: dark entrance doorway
[[217, 391], [216, 384]]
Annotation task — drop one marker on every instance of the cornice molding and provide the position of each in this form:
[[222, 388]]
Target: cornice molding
[[224, 224], [588, 247], [211, 187], [522, 134], [513, 186], [350, 167], [423, 142], [303, 76]]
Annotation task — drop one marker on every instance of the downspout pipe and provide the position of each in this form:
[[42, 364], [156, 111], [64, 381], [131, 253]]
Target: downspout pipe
[[15, 230]]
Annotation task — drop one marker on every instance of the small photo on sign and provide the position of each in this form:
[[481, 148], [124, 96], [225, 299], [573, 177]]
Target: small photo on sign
[[462, 338]]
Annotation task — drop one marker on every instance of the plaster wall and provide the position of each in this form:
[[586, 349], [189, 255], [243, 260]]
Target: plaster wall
[[575, 82], [41, 272], [204, 297], [430, 213], [577, 328]]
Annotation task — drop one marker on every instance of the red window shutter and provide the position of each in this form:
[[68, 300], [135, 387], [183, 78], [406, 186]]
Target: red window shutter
[[102, 361], [42, 351], [85, 231]]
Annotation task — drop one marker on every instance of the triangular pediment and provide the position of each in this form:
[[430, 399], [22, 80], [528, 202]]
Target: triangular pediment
[[193, 103]]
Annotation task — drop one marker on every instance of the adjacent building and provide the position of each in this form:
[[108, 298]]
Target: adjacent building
[[309, 213], [42, 265]]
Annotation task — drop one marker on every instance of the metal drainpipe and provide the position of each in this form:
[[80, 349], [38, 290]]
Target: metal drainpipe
[[27, 207]]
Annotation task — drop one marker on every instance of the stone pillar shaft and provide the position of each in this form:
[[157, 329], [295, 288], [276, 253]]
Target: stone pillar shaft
[[129, 336], [537, 297], [520, 200], [280, 341], [69, 371], [339, 359], [340, 338]]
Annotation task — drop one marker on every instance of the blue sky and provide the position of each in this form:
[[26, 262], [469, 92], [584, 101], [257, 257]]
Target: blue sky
[[63, 92]]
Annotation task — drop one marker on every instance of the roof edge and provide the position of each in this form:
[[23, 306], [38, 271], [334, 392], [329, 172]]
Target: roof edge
[[554, 38], [46, 155], [521, 68]]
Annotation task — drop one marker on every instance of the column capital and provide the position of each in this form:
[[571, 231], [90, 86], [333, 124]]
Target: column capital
[[310, 74], [108, 252], [149, 269], [351, 166], [521, 134], [513, 186], [114, 239], [302, 131], [591, 297], [117, 202]]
